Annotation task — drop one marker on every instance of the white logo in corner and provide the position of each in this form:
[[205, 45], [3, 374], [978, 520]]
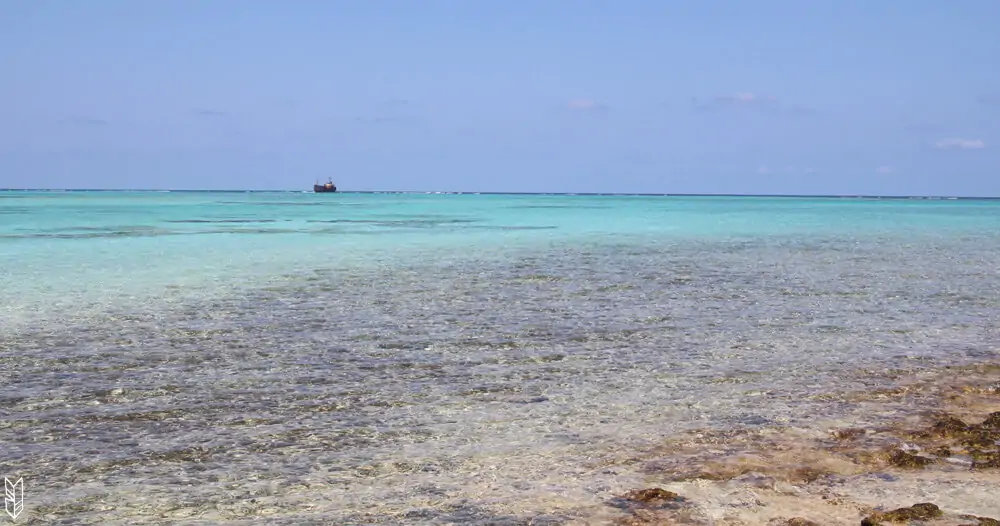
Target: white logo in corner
[[13, 497]]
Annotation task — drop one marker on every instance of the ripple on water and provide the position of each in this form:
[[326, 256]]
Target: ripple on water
[[453, 389]]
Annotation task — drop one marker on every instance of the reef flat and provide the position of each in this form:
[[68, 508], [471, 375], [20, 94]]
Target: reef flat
[[924, 452]]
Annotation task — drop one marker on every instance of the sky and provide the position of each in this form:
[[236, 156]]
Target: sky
[[887, 97]]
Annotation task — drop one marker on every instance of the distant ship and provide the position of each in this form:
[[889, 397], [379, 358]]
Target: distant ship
[[328, 187]]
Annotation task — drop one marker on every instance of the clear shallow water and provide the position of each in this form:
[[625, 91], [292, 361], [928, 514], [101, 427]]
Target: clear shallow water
[[428, 358]]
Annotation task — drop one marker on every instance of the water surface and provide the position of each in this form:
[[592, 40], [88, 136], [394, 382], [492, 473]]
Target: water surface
[[366, 358]]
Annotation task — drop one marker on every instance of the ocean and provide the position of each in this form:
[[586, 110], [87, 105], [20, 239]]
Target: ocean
[[366, 358]]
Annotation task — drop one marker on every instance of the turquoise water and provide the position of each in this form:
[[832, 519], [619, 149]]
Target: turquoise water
[[424, 358], [63, 254]]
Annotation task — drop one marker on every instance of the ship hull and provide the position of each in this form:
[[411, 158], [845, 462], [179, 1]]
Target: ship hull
[[320, 189]]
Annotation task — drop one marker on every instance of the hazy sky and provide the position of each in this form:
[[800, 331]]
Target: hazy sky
[[695, 96]]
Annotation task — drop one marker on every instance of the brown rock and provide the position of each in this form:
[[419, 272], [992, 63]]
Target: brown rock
[[943, 451], [992, 421], [980, 438], [922, 511], [989, 460], [806, 474], [903, 459], [651, 495], [949, 426], [849, 433]]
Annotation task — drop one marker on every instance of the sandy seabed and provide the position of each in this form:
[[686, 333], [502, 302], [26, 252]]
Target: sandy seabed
[[923, 450]]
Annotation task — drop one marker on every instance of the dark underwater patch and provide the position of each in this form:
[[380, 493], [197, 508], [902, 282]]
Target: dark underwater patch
[[570, 207], [398, 222], [246, 231], [222, 221], [507, 227], [92, 233]]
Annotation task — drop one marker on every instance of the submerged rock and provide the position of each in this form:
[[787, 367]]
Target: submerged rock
[[943, 451], [949, 426], [922, 511], [900, 458], [651, 496], [807, 475], [992, 421], [850, 433], [987, 460]]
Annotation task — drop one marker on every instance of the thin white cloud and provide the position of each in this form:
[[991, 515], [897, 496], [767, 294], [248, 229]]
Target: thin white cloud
[[883, 170], [740, 99], [789, 169], [585, 104], [397, 103], [87, 121], [743, 98], [208, 112], [960, 144]]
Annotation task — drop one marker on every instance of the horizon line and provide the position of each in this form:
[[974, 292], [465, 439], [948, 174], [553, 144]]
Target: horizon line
[[456, 192]]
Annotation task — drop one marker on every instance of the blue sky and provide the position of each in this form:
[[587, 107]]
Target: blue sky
[[877, 97]]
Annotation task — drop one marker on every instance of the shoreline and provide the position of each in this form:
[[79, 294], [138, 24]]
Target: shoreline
[[933, 439], [885, 454]]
